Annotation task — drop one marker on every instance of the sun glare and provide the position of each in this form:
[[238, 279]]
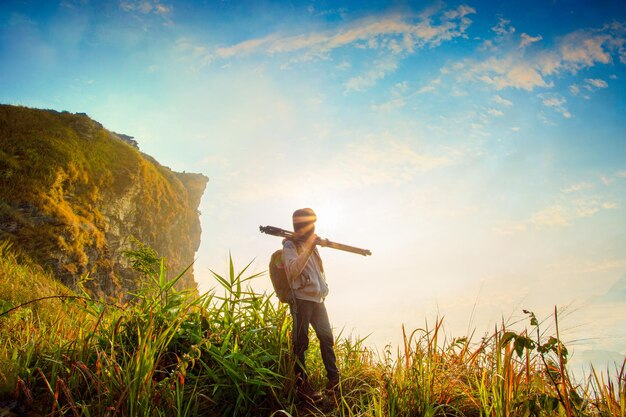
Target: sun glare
[[328, 215]]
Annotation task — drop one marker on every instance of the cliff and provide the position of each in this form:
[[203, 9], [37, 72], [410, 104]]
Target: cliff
[[74, 196]]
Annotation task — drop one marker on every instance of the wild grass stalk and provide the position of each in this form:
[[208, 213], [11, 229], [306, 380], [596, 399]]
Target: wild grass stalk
[[609, 394], [166, 352]]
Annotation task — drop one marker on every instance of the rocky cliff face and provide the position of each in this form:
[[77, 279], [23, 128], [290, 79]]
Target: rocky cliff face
[[75, 197]]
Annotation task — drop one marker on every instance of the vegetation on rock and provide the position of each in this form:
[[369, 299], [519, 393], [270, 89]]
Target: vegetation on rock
[[72, 194]]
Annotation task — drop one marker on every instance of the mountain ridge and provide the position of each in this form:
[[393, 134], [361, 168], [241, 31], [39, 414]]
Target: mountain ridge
[[75, 197]]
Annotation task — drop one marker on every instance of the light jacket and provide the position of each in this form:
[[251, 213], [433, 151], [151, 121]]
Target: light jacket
[[310, 283]]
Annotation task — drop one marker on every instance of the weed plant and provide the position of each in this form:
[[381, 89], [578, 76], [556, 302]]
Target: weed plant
[[167, 352]]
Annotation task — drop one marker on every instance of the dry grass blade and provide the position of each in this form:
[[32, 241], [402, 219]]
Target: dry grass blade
[[169, 352]]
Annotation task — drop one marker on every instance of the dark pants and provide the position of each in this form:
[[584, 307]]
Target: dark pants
[[310, 312]]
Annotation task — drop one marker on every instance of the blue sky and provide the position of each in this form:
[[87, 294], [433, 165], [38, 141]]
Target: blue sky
[[477, 148]]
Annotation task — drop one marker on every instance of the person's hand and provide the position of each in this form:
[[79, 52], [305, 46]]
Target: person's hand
[[311, 241]]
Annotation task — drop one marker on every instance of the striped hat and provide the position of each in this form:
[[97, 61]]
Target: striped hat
[[303, 217]]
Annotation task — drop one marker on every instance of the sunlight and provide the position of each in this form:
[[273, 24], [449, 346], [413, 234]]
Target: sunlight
[[328, 216]]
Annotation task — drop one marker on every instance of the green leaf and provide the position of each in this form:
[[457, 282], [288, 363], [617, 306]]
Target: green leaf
[[221, 280], [533, 318], [507, 337], [519, 346]]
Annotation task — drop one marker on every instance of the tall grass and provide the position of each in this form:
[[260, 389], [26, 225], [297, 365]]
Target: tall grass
[[165, 352], [170, 353]]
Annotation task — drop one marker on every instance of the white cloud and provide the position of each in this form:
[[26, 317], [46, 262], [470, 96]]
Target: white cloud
[[344, 65], [557, 103], [610, 205], [577, 187], [397, 98], [606, 180], [544, 119], [503, 73], [426, 89], [370, 78], [495, 112], [400, 88], [390, 105], [145, 6], [395, 33], [487, 45], [460, 12], [392, 36], [575, 201], [572, 53], [581, 50], [501, 101], [550, 216], [386, 160], [528, 40], [374, 160], [589, 85], [558, 215], [162, 9], [584, 49], [604, 265], [593, 83], [553, 101], [575, 89], [503, 28]]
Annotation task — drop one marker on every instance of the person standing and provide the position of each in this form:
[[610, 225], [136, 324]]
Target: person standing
[[305, 272]]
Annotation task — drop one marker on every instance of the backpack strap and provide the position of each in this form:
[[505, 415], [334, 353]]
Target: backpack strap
[[318, 259], [298, 251]]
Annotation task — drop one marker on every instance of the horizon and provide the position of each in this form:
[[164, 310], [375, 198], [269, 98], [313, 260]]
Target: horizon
[[477, 149]]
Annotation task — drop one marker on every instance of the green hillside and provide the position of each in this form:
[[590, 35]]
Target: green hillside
[[73, 195]]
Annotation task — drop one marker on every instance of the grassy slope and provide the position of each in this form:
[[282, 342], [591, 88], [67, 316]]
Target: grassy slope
[[46, 323], [58, 171], [167, 353]]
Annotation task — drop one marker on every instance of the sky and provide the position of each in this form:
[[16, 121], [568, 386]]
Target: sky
[[477, 148]]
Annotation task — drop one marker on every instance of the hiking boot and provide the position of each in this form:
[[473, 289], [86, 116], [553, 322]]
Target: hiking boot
[[332, 386], [306, 392]]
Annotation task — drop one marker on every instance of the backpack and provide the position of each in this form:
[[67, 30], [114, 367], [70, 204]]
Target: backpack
[[278, 275]]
